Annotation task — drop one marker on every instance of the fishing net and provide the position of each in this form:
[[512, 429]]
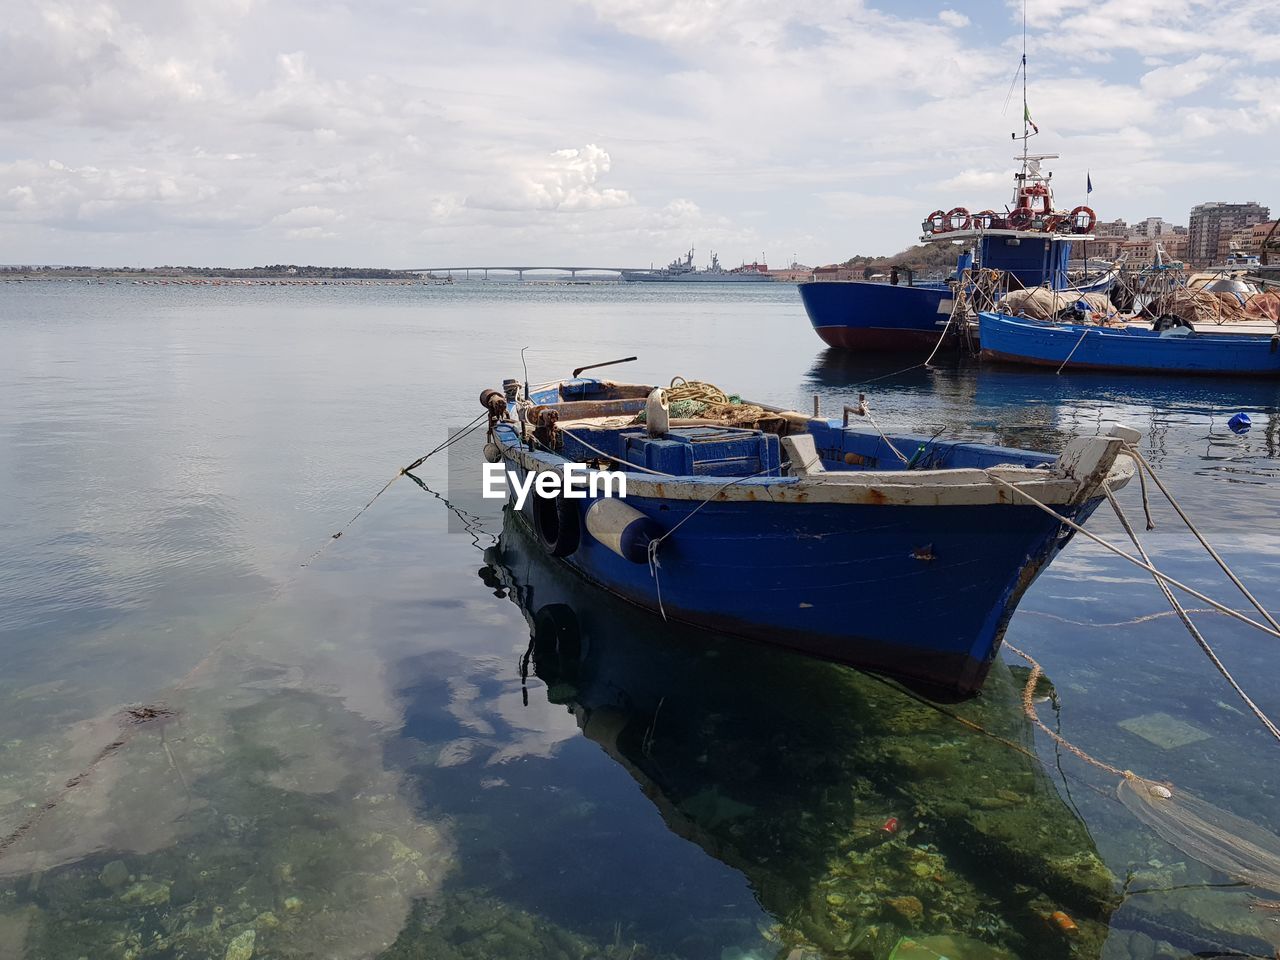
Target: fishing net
[[1263, 306], [1229, 844], [690, 399], [1200, 306], [1221, 840], [1039, 303]]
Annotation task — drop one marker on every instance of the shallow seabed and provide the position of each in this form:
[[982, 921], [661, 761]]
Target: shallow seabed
[[208, 749]]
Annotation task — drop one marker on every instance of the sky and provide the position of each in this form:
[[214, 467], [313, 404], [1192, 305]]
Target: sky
[[603, 132]]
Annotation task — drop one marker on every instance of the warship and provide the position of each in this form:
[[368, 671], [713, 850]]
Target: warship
[[682, 270]]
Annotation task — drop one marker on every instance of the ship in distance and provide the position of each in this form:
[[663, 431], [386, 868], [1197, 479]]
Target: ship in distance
[[682, 270]]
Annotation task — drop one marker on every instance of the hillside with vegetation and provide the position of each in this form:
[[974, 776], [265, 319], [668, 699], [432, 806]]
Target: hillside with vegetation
[[925, 258]]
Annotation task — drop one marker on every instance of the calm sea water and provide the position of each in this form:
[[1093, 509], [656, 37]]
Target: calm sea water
[[346, 759]]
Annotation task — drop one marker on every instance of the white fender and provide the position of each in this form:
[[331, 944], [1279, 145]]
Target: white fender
[[622, 528]]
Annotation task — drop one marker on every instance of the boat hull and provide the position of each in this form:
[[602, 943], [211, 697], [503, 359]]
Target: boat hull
[[861, 315], [920, 592], [1018, 341], [882, 317]]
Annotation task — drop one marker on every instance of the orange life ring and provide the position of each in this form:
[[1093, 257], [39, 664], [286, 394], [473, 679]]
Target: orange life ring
[[958, 219], [1057, 223], [1021, 218], [935, 222], [984, 220], [1082, 212]]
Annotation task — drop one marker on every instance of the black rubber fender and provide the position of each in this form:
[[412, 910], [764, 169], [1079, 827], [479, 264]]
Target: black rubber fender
[[558, 525]]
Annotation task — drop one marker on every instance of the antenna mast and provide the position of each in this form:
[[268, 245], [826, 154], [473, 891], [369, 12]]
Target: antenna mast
[[1026, 111]]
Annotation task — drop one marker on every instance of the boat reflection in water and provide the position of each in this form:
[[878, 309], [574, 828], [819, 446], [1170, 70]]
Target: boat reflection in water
[[869, 822]]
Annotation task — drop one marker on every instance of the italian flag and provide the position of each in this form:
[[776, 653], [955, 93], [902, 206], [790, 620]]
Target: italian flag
[[1026, 115]]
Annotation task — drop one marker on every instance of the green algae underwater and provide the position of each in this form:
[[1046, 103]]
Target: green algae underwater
[[869, 823]]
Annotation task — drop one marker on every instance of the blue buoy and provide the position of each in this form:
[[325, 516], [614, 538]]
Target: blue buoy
[[1240, 423]]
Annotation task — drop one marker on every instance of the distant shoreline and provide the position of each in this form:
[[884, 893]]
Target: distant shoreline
[[283, 272]]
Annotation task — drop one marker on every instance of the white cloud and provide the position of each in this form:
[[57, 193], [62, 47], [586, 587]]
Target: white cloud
[[1179, 80], [566, 181], [89, 197], [971, 179], [192, 132], [307, 217]]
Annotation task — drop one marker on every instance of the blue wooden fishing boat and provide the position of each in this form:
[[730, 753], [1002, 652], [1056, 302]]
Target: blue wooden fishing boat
[[900, 553], [1133, 347]]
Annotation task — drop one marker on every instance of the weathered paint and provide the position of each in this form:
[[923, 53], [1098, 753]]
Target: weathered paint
[[847, 564]]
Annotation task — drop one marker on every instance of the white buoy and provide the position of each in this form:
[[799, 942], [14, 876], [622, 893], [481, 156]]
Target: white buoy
[[657, 415]]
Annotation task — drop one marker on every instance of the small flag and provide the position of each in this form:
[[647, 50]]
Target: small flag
[[1026, 115], [1088, 183]]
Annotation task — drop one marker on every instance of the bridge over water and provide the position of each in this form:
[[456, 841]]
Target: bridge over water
[[520, 271]]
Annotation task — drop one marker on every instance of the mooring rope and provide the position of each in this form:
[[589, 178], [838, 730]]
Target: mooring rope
[[1143, 465], [1073, 350], [1029, 708], [863, 410], [1196, 635], [698, 390], [465, 431], [607, 456], [942, 336], [656, 542], [1220, 607]]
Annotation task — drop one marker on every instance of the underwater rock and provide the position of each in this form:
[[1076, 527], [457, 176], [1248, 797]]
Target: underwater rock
[[13, 931], [114, 875], [1141, 946], [147, 893], [712, 808], [241, 948], [1163, 730], [292, 904], [182, 889], [908, 908]]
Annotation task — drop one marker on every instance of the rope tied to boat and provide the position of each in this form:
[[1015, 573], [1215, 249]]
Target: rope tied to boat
[[1185, 617], [1220, 607], [1062, 365], [656, 543], [465, 431]]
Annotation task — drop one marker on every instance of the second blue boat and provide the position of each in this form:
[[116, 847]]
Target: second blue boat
[[1133, 347]]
